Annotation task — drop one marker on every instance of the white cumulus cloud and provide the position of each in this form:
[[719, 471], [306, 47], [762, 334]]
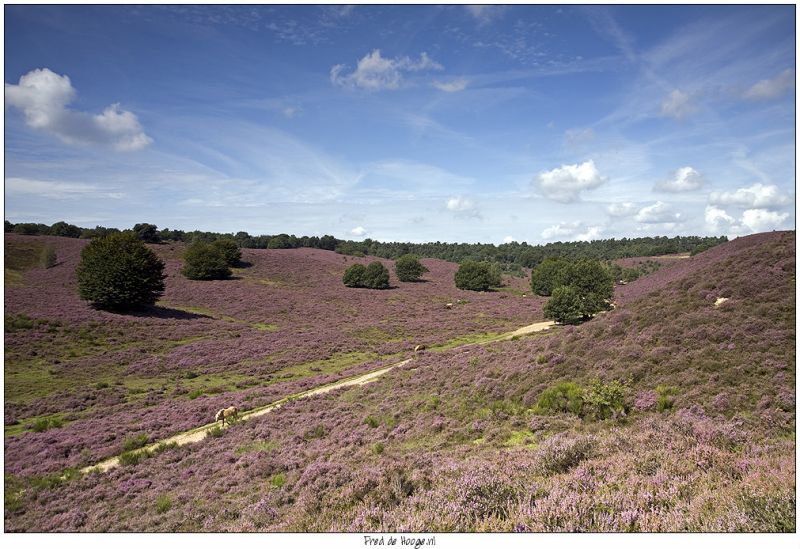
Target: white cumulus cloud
[[755, 196], [462, 207], [564, 184], [682, 180], [508, 240], [572, 231], [718, 220], [455, 85], [771, 88], [375, 72], [358, 231], [760, 220], [43, 97], [659, 212], [677, 105]]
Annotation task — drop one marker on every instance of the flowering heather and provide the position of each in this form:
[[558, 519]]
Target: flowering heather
[[461, 446]]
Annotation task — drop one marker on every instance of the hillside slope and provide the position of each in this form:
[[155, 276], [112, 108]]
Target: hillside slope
[[452, 441]]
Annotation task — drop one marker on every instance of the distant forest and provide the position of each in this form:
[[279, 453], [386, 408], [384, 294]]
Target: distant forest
[[511, 257]]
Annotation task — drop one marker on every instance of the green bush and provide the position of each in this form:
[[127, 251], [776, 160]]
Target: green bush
[[478, 276], [377, 448], [353, 275], [147, 232], [62, 228], [43, 424], [278, 480], [216, 431], [409, 269], [48, 257], [136, 442], [374, 276], [605, 400], [119, 272], [371, 421], [564, 306], [132, 458], [665, 397], [229, 249], [565, 397], [205, 262], [548, 275]]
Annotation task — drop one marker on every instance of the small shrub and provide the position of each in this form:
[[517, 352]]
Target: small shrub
[[477, 276], [216, 431], [316, 432], [353, 275], [163, 504], [278, 480], [565, 397], [371, 421], [196, 393], [40, 425], [409, 269], [131, 458], [377, 448], [205, 262], [374, 276], [135, 443], [605, 400], [48, 257], [665, 397]]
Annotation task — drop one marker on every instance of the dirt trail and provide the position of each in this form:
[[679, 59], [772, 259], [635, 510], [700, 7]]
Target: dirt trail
[[199, 433]]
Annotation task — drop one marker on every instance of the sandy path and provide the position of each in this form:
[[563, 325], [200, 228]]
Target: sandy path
[[199, 433]]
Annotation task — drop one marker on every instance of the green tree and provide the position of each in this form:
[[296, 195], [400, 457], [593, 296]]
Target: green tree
[[205, 262], [62, 228], [280, 242], [376, 276], [408, 268], [354, 275], [229, 249], [549, 275], [477, 275], [119, 272], [564, 306], [594, 285], [147, 232]]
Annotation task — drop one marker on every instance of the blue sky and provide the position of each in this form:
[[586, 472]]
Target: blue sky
[[412, 123]]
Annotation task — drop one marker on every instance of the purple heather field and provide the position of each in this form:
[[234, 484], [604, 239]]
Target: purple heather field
[[455, 440]]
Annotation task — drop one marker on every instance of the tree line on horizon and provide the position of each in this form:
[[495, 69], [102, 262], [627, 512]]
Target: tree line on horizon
[[511, 257]]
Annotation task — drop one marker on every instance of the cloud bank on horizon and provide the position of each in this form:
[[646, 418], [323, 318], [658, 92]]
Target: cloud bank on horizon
[[410, 123]]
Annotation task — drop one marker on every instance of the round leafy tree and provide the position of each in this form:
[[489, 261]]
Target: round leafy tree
[[376, 276], [354, 275], [564, 306], [205, 262], [548, 275], [229, 249], [119, 272], [593, 283], [408, 268], [477, 275]]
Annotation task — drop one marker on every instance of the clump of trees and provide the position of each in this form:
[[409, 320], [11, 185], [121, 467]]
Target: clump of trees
[[478, 276], [230, 251], [203, 261], [374, 276], [578, 290], [409, 269], [119, 272]]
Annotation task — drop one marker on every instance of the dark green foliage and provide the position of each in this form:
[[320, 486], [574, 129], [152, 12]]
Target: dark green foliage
[[119, 272], [605, 400], [216, 431], [147, 232], [134, 443], [131, 457], [327, 242], [565, 397], [371, 421], [353, 275], [229, 249], [477, 276], [62, 228], [374, 276], [408, 268], [665, 397], [377, 448], [564, 306], [205, 262], [548, 275], [280, 242], [98, 232], [43, 424], [31, 228], [8, 226]]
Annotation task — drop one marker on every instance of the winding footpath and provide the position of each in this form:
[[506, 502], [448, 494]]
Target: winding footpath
[[199, 433]]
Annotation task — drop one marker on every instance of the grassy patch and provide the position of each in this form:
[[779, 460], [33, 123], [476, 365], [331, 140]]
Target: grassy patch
[[265, 327], [135, 442], [163, 504], [257, 446], [373, 334], [522, 438], [278, 480], [19, 257], [466, 340], [36, 424]]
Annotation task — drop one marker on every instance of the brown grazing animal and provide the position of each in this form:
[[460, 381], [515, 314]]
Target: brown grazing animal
[[227, 413]]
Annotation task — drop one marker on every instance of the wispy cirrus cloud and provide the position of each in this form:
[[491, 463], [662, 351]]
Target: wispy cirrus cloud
[[374, 72], [455, 85], [58, 190], [771, 88], [43, 97]]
